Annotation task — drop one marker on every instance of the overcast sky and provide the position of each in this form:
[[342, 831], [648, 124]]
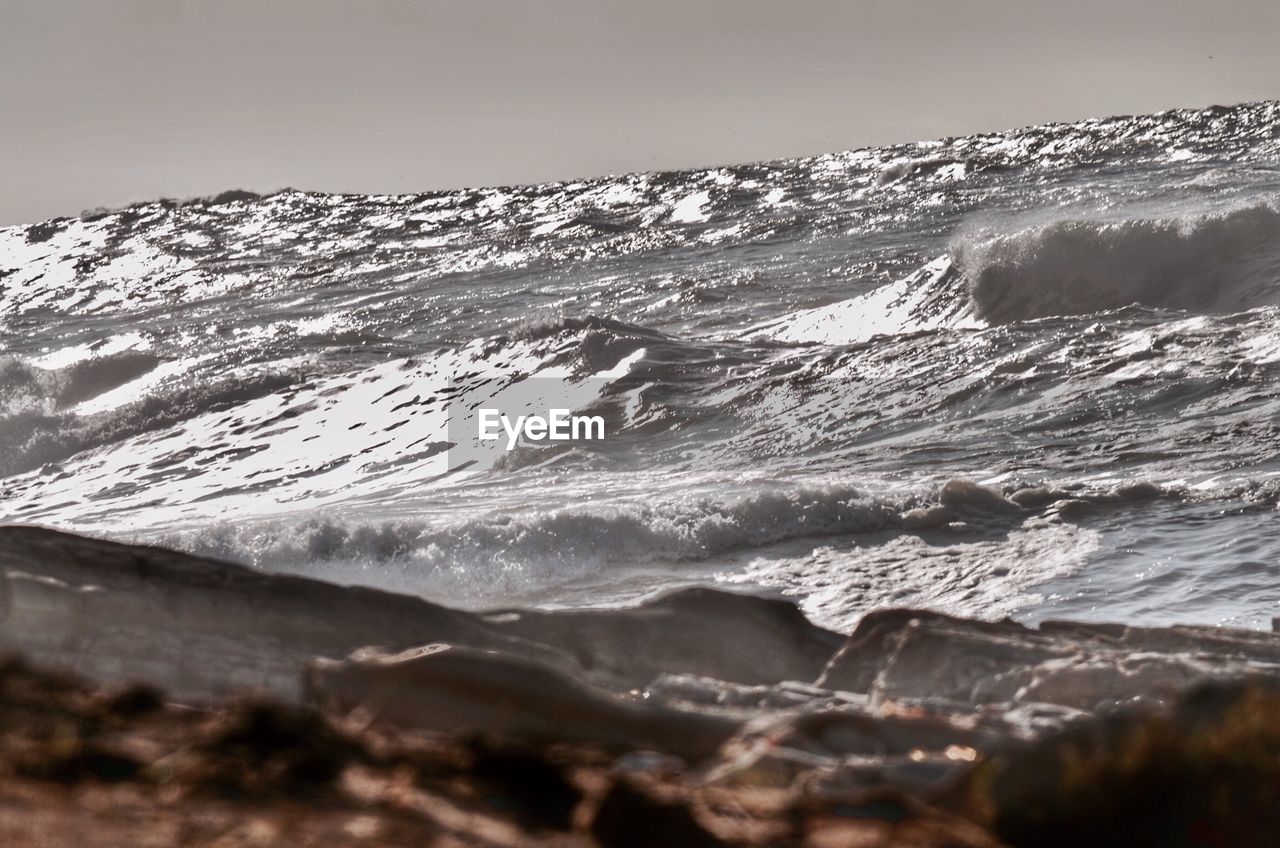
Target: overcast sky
[[104, 102]]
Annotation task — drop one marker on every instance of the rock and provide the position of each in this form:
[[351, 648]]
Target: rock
[[202, 627], [629, 818], [884, 820], [908, 698], [703, 632], [707, 691], [906, 655], [1204, 772], [916, 747], [1252, 645], [871, 646], [538, 793], [461, 690], [262, 749]]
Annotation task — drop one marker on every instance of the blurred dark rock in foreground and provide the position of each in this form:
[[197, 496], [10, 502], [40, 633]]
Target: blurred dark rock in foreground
[[700, 718], [206, 628]]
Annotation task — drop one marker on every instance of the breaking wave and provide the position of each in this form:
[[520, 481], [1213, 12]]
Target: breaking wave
[[527, 551], [1206, 263], [1214, 262]]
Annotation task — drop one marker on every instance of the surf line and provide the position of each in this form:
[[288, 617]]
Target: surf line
[[558, 425]]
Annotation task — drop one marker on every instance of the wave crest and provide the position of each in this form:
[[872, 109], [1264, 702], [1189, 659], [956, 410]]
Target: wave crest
[[519, 553], [1222, 261]]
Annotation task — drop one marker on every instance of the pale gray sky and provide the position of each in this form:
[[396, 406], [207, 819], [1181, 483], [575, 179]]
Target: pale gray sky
[[104, 102]]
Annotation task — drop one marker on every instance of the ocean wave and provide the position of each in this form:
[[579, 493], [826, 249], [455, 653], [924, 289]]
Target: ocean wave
[[1210, 262], [25, 386], [39, 425], [936, 169], [954, 308], [523, 552], [269, 436], [931, 298], [547, 326], [559, 544]]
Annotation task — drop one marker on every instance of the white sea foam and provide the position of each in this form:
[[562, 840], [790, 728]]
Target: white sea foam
[[922, 301], [689, 210]]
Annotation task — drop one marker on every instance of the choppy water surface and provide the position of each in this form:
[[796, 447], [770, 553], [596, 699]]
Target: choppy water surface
[[802, 353]]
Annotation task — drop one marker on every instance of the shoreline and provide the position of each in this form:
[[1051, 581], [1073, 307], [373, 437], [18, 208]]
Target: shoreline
[[925, 725]]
